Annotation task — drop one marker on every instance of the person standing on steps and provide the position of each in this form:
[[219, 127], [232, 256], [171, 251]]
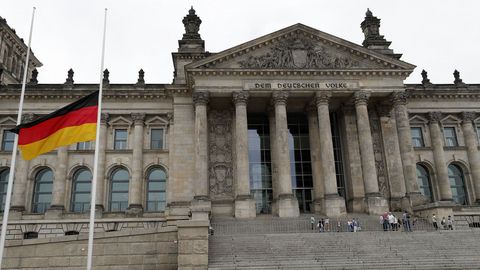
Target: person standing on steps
[[406, 222], [327, 224], [312, 222], [434, 222], [450, 223], [444, 223], [338, 225]]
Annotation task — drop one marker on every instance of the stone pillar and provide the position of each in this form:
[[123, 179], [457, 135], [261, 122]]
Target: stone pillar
[[471, 142], [273, 154], [135, 187], [315, 156], [334, 205], [201, 205], [353, 163], [244, 204], [376, 204], [398, 201], [439, 156], [399, 101], [59, 181], [287, 204], [192, 244], [99, 200]]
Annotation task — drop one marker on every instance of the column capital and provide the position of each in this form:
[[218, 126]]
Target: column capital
[[280, 97], [28, 117], [322, 97], [104, 117], [240, 97], [348, 109], [468, 117], [310, 108], [201, 97], [361, 97], [138, 118], [399, 98], [170, 118], [434, 117], [384, 110]]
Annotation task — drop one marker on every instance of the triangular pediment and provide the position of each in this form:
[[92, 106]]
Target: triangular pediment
[[300, 47]]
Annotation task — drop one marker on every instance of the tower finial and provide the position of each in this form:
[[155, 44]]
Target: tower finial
[[192, 25], [368, 13]]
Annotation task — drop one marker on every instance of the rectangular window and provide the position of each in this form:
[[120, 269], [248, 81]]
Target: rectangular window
[[120, 139], [478, 132], [417, 137], [450, 136], [156, 138], [83, 146], [7, 140]]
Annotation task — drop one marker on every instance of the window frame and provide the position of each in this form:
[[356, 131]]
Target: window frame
[[111, 191], [83, 146], [148, 191], [413, 139], [115, 140], [36, 191], [428, 179], [162, 146], [4, 141], [86, 205], [4, 172], [462, 177], [446, 139]]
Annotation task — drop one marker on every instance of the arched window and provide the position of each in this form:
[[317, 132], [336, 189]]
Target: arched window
[[119, 190], [457, 184], [423, 179], [42, 194], [82, 184], [3, 187], [156, 185]]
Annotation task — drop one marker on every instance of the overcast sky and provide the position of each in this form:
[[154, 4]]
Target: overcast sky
[[438, 36]]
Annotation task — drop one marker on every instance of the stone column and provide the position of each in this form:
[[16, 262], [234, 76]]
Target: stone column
[[471, 142], [315, 156], [244, 204], [334, 205], [376, 204], [287, 204], [273, 154], [398, 201], [99, 200], [399, 101], [59, 181], [135, 187], [201, 205], [353, 163], [439, 156]]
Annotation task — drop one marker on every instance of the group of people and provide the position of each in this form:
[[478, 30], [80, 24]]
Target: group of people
[[390, 222], [446, 224], [323, 225]]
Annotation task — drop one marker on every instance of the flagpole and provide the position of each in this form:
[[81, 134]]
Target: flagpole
[[91, 227], [14, 150]]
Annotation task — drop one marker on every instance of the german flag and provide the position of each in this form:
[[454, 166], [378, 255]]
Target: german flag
[[76, 122]]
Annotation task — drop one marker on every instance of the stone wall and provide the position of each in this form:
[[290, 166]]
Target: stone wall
[[129, 249]]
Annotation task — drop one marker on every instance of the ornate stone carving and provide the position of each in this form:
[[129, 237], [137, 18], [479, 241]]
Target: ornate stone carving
[[425, 80], [104, 117], [141, 78], [192, 25], [457, 81], [201, 97], [434, 116], [299, 52], [361, 97], [220, 154], [311, 108], [384, 110], [399, 98], [280, 97], [106, 74], [138, 118], [170, 118], [33, 79], [28, 117], [322, 97], [69, 80], [377, 141], [468, 116], [240, 97]]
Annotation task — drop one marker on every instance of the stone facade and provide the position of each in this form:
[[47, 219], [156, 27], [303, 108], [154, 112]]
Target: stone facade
[[191, 150]]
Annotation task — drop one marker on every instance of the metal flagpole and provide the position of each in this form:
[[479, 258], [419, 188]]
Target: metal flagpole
[[14, 151], [91, 227]]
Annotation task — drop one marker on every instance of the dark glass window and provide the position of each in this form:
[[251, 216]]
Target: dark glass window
[[423, 179], [82, 184], [457, 184], [417, 137], [156, 186], [156, 138], [450, 136], [120, 139], [30, 235], [42, 194], [478, 132], [3, 187], [8, 140], [119, 190], [337, 153], [72, 233], [83, 146]]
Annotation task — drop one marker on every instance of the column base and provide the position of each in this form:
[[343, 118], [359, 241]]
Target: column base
[[416, 199], [287, 206], [99, 209], [334, 206], [134, 210], [318, 206], [356, 205], [16, 212], [201, 208], [376, 204], [440, 209], [245, 207], [177, 210]]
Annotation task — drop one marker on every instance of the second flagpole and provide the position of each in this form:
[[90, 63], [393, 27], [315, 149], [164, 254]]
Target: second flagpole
[[91, 227]]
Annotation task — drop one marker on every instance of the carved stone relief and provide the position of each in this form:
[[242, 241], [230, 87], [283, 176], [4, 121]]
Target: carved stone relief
[[383, 185], [301, 52], [220, 154]]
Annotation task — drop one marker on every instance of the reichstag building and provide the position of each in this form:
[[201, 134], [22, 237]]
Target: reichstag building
[[296, 121]]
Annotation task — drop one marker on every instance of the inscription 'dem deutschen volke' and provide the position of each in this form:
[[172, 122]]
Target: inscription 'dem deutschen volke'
[[306, 85]]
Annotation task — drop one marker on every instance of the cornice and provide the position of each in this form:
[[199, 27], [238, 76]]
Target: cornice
[[415, 94]]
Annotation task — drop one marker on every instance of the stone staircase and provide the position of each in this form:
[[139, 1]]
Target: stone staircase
[[273, 243]]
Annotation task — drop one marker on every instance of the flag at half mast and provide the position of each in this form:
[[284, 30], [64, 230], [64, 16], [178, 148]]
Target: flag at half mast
[[76, 122]]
